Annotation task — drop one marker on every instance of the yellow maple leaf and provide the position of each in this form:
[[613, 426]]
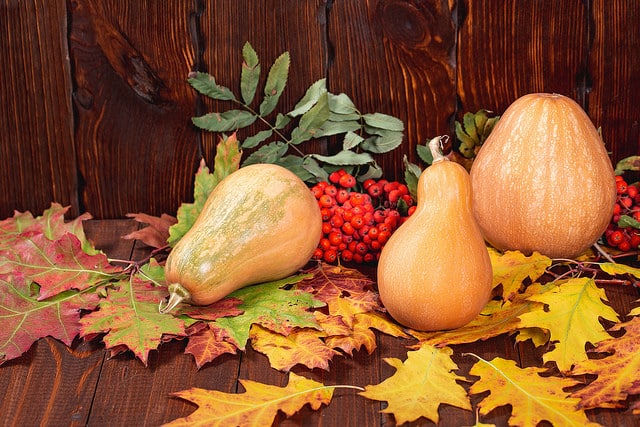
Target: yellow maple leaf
[[618, 374], [423, 382], [512, 268], [533, 398], [572, 317], [257, 406], [302, 346]]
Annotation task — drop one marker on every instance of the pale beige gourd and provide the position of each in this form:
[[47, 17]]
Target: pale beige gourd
[[260, 223], [543, 180], [435, 273]]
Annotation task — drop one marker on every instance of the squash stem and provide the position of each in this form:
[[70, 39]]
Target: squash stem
[[435, 146], [177, 294]]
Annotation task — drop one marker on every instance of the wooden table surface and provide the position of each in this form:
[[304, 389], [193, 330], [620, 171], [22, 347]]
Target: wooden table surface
[[53, 385]]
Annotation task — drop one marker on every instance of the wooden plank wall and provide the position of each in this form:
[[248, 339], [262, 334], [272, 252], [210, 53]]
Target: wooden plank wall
[[95, 110]]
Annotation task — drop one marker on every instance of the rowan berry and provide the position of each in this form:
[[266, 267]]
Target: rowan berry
[[357, 199], [326, 201], [374, 190], [347, 228], [357, 221], [621, 187], [342, 196], [632, 191], [324, 244], [368, 183], [330, 255], [336, 221], [335, 238], [334, 177], [615, 238], [346, 255], [326, 228], [347, 181]]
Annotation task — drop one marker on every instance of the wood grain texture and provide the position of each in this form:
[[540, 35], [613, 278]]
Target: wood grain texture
[[96, 112], [509, 49], [615, 69], [37, 157], [398, 58], [226, 25], [137, 151]]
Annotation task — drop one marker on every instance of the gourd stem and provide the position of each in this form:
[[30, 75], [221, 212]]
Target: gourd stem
[[435, 146], [177, 294]]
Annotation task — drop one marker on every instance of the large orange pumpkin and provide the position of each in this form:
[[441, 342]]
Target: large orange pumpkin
[[543, 180]]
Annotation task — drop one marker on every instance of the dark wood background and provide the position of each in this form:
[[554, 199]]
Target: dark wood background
[[96, 111]]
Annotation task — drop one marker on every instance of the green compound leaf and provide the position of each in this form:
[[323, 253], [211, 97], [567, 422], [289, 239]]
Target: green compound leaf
[[250, 75], [276, 82], [206, 84], [230, 120]]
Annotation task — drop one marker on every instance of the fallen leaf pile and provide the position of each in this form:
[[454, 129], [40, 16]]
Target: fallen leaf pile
[[53, 282]]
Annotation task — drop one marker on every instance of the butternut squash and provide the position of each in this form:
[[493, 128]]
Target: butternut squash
[[543, 180], [435, 273], [260, 223]]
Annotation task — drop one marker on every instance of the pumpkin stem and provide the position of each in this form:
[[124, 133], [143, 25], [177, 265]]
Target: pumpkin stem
[[177, 294], [435, 145]]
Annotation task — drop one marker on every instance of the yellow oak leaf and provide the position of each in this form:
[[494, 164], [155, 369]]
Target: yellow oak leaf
[[615, 269], [618, 374], [302, 346], [572, 313], [257, 406], [420, 385], [512, 268], [495, 319], [533, 398]]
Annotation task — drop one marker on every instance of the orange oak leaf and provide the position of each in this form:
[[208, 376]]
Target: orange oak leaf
[[362, 334], [257, 406], [420, 385], [618, 375], [303, 346], [533, 397], [207, 344]]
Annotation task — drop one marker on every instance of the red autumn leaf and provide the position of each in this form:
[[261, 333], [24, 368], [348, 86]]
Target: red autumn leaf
[[25, 318], [346, 291], [55, 265], [156, 233]]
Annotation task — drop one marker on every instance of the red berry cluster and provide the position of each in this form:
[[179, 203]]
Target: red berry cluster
[[356, 225], [627, 203]]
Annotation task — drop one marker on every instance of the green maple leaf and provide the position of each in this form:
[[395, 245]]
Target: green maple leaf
[[420, 385], [130, 319], [271, 306], [572, 316], [533, 398]]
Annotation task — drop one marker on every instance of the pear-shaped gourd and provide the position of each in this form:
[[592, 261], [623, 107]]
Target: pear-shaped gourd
[[543, 180], [260, 223], [435, 273]]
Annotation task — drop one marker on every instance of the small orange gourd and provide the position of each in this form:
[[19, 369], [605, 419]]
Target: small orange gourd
[[543, 180], [435, 273], [260, 223]]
